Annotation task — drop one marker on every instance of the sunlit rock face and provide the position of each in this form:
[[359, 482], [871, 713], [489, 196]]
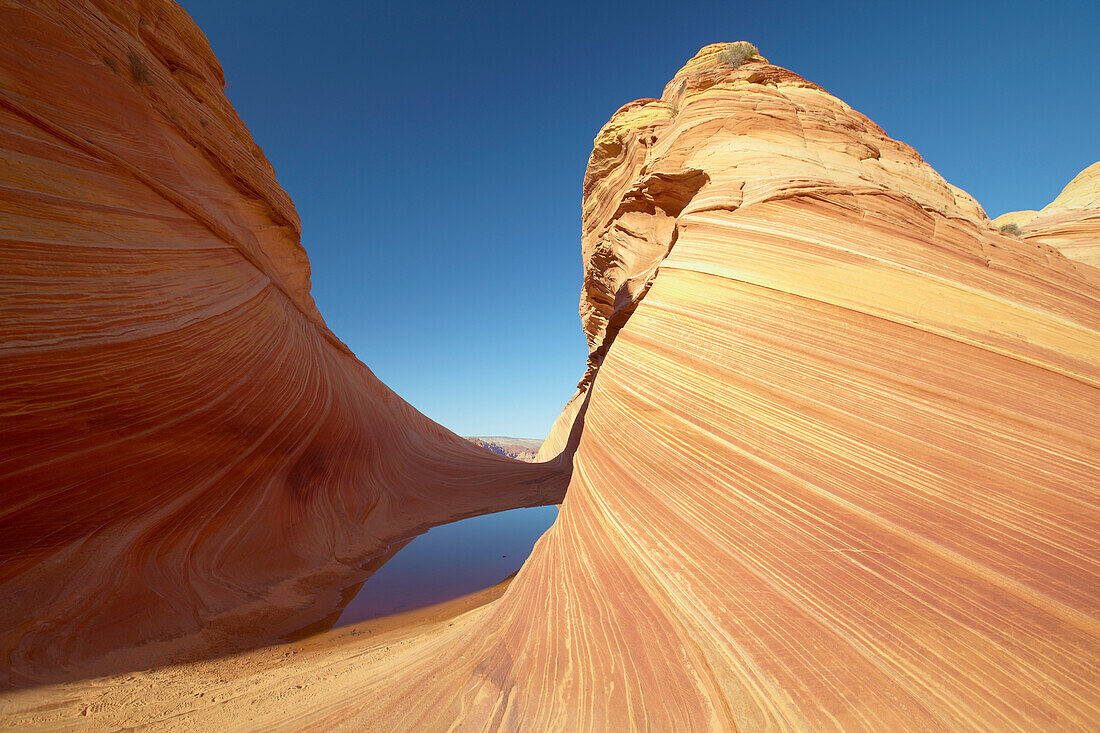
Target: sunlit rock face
[[1070, 223], [192, 461], [839, 467], [836, 462]]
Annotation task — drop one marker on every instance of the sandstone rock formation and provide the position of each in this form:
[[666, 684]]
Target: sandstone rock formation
[[836, 463], [838, 467], [192, 461], [1070, 223]]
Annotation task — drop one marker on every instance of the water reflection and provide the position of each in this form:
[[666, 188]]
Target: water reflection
[[449, 561]]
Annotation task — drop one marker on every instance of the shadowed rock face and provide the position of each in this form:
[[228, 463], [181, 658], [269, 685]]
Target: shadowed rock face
[[836, 464], [192, 461]]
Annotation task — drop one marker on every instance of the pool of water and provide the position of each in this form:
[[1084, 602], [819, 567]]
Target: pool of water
[[450, 561]]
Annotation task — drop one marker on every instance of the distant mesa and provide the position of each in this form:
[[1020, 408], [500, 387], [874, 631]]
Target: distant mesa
[[522, 449]]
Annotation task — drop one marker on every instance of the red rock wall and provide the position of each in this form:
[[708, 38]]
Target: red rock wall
[[192, 460]]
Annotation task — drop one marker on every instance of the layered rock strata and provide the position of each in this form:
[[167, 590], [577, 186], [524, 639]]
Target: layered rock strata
[[836, 463], [838, 467], [192, 461]]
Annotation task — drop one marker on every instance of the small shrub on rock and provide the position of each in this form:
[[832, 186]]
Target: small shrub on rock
[[738, 53], [139, 71]]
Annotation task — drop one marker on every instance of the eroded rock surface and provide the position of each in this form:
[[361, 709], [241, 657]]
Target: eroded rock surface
[[836, 462], [192, 461], [838, 467]]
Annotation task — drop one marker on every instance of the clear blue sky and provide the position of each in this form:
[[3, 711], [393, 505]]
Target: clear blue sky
[[435, 150]]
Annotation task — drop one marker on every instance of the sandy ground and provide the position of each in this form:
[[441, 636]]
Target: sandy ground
[[282, 687]]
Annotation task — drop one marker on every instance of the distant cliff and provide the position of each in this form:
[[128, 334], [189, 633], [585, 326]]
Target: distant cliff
[[522, 449]]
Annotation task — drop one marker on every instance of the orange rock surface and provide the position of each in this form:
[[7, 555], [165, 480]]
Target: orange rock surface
[[192, 461], [838, 468], [836, 462], [1070, 223]]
